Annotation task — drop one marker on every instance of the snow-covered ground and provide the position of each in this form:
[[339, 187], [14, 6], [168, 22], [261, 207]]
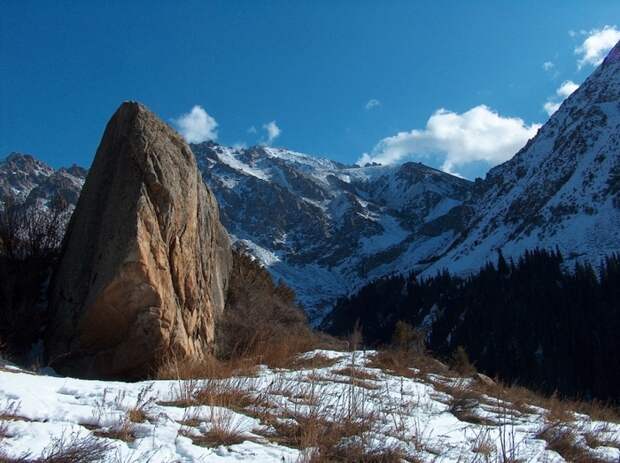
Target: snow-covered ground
[[409, 415]]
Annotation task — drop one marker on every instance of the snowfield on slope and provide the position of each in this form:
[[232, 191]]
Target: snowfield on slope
[[412, 416]]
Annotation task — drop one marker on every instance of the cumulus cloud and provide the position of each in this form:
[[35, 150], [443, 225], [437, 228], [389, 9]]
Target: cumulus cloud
[[548, 66], [566, 89], [457, 140], [596, 46], [372, 103], [563, 92], [551, 106], [197, 125], [273, 131]]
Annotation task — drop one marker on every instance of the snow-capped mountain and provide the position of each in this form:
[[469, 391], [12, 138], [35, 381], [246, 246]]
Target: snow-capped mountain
[[561, 190], [326, 228], [27, 180], [322, 227]]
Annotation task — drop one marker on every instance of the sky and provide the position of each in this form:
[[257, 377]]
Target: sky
[[456, 85]]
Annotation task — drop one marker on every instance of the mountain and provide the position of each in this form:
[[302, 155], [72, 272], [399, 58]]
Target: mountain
[[322, 227], [532, 288], [26, 179], [561, 190], [326, 228]]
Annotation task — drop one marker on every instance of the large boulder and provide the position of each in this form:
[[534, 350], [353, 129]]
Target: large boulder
[[145, 261]]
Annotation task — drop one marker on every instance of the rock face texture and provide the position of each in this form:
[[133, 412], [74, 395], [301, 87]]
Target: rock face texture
[[145, 262]]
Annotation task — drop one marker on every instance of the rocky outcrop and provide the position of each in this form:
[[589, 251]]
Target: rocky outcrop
[[145, 261]]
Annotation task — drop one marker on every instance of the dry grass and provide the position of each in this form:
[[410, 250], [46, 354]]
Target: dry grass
[[562, 438], [408, 364], [598, 410], [329, 432], [521, 400], [124, 430], [233, 393], [318, 430], [355, 452], [139, 413], [71, 448], [224, 429], [483, 444], [8, 412], [601, 436], [313, 362], [75, 449], [124, 427], [356, 373], [210, 367], [464, 401], [524, 400]]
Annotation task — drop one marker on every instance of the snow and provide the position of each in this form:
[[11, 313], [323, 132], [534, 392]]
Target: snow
[[411, 414], [228, 157], [392, 235], [559, 183], [361, 213]]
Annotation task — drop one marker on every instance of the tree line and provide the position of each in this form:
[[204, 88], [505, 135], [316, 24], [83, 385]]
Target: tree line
[[532, 320]]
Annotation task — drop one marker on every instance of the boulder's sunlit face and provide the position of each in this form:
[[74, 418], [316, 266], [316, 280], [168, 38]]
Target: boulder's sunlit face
[[143, 271]]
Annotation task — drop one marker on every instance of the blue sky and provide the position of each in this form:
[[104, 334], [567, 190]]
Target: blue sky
[[310, 67]]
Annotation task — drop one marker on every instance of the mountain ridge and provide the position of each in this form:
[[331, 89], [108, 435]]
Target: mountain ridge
[[562, 189], [326, 228]]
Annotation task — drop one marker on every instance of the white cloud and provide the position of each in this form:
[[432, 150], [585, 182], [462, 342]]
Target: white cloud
[[551, 106], [479, 134], [548, 66], [372, 103], [566, 89], [273, 131], [252, 129], [596, 46], [563, 92], [197, 126]]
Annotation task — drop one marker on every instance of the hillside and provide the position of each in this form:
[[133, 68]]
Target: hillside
[[329, 407]]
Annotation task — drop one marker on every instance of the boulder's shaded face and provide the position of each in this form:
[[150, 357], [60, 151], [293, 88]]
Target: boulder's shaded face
[[145, 261]]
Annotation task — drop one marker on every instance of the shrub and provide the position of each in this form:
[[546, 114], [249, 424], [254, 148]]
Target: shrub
[[460, 362], [409, 339], [261, 320], [30, 239]]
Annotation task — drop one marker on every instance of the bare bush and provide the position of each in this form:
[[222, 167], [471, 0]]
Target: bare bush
[[460, 362], [30, 239], [32, 232], [261, 320]]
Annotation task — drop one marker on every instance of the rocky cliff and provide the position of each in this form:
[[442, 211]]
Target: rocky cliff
[[145, 261]]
